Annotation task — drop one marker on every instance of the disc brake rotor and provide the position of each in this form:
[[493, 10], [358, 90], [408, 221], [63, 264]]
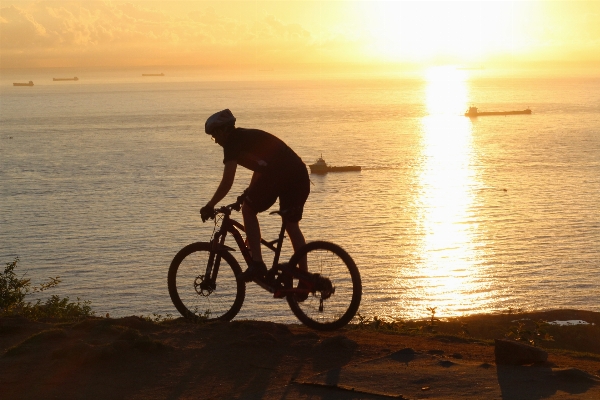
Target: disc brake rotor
[[203, 287]]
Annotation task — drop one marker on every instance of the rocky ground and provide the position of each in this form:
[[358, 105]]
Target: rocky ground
[[134, 358]]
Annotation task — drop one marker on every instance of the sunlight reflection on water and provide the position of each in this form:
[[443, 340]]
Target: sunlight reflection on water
[[448, 247]]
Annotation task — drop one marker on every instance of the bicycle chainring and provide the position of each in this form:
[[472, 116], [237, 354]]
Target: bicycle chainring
[[279, 279]]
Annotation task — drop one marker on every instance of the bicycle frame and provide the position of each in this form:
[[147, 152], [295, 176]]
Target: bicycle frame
[[320, 282], [233, 227]]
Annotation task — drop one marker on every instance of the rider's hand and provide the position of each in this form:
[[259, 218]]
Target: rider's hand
[[207, 212], [240, 201]]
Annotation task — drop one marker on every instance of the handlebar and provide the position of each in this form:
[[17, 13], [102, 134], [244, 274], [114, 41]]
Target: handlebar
[[226, 209], [237, 206]]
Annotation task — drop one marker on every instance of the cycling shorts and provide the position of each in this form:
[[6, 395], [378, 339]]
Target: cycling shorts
[[290, 184]]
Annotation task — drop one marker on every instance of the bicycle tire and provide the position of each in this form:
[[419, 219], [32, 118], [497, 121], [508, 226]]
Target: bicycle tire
[[333, 262], [187, 267]]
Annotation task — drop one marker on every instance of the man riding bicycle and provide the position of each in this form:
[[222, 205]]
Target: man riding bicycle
[[278, 172]]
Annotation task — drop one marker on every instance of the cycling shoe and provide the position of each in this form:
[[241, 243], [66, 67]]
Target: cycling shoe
[[256, 269]]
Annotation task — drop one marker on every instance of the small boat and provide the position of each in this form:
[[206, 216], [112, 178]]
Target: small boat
[[66, 79], [23, 84], [473, 112], [161, 74], [321, 167]]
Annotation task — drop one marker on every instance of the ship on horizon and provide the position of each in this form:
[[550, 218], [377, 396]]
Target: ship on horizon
[[30, 83], [321, 167], [473, 112], [66, 79]]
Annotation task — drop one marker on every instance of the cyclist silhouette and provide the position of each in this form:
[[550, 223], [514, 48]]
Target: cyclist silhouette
[[278, 172]]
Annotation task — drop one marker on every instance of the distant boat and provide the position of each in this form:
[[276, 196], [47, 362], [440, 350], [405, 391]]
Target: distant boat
[[321, 167], [473, 112], [66, 79], [23, 84], [161, 74]]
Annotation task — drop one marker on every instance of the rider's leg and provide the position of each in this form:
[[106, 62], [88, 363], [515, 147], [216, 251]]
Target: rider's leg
[[252, 228], [297, 238], [257, 267]]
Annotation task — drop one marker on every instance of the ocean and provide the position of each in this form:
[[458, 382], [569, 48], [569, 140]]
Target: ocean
[[101, 181]]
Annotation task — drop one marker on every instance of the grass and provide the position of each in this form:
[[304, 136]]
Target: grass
[[14, 290]]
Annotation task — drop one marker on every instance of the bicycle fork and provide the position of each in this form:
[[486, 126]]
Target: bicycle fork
[[208, 282]]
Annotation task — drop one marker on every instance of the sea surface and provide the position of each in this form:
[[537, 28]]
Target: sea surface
[[101, 181]]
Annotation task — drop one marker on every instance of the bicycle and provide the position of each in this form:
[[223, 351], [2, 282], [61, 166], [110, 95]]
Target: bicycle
[[203, 278]]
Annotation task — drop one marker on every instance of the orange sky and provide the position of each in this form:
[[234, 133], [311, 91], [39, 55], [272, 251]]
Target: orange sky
[[297, 34]]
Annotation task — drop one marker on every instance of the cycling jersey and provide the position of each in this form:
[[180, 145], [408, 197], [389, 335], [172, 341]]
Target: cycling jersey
[[258, 151], [283, 174]]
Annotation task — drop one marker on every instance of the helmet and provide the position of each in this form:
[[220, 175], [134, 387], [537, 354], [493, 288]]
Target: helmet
[[219, 120]]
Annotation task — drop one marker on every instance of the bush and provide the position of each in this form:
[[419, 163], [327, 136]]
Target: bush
[[14, 290]]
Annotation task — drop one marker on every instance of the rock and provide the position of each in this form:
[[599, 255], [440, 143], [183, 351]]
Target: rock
[[446, 363], [405, 355], [510, 352]]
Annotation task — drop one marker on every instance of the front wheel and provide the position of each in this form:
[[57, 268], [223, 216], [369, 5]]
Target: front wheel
[[334, 309], [218, 296]]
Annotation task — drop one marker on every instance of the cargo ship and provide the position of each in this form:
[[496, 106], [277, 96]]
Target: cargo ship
[[23, 84], [161, 74], [66, 79], [473, 112], [321, 167]]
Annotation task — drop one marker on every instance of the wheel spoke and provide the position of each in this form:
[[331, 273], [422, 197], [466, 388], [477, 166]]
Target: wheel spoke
[[337, 303], [194, 295]]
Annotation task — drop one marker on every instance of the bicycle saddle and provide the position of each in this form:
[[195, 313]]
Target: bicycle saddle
[[285, 212]]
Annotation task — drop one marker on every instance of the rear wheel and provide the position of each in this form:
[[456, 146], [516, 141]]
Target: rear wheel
[[336, 305], [196, 296]]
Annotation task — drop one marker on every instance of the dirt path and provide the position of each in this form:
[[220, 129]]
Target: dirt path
[[131, 358]]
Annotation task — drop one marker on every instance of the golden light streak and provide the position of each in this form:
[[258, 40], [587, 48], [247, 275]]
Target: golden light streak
[[448, 248]]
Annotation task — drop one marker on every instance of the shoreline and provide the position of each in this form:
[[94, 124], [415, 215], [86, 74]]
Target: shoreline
[[133, 357]]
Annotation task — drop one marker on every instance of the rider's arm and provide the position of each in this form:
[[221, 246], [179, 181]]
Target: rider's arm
[[226, 183]]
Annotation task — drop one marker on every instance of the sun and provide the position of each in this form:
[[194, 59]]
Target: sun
[[442, 30]]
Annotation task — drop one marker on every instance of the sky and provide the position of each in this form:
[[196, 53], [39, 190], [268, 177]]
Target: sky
[[297, 34]]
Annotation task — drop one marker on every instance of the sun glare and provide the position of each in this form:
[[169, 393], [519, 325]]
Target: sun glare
[[461, 31], [446, 92], [296, 35]]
